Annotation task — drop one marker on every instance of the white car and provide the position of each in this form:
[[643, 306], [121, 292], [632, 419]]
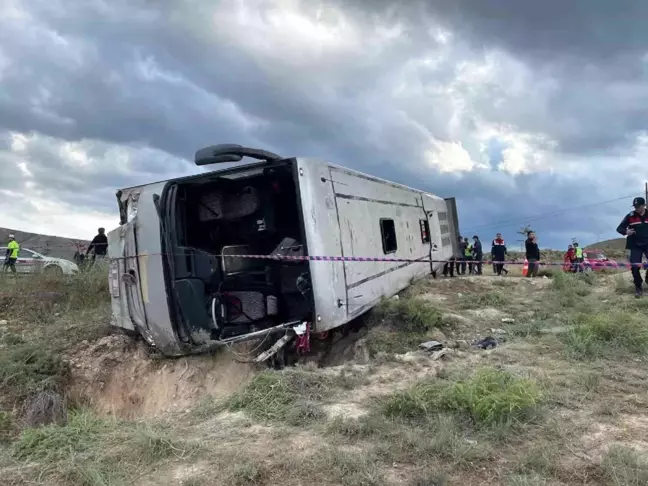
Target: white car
[[30, 261]]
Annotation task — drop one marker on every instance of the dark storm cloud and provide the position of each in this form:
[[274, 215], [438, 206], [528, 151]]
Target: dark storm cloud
[[162, 74]]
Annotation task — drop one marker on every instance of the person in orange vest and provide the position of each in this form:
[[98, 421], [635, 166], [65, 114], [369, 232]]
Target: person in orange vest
[[498, 253]]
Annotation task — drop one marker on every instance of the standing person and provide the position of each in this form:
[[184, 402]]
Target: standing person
[[12, 254], [99, 244], [460, 254], [498, 253], [570, 257], [478, 255], [635, 227], [467, 256], [532, 254], [578, 252]]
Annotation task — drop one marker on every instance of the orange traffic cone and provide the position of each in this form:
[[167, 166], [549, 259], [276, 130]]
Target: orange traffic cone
[[525, 268]]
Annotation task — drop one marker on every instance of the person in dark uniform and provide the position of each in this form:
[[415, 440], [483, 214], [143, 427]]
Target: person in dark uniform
[[532, 254], [459, 255], [478, 255], [99, 245], [635, 227], [498, 253]]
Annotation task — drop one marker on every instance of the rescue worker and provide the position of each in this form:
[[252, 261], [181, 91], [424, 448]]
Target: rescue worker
[[478, 255], [12, 254], [468, 253], [459, 255], [635, 227], [448, 267], [498, 253], [578, 252], [570, 257], [463, 245], [99, 244], [532, 254]]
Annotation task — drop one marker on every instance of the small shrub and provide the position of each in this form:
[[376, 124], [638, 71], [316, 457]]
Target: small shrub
[[407, 319], [7, 426], [150, 445], [413, 315], [570, 287], [624, 466], [55, 442], [599, 334], [286, 396], [495, 299], [490, 398], [28, 368]]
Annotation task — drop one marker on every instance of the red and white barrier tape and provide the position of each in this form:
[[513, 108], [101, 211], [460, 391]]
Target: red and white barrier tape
[[318, 258]]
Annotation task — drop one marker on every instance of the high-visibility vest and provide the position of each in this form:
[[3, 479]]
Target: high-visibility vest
[[13, 247], [468, 251], [579, 252]]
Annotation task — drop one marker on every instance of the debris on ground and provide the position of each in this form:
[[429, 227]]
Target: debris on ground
[[439, 354], [486, 343], [431, 346]]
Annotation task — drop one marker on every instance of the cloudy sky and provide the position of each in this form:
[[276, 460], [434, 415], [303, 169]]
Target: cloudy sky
[[520, 109]]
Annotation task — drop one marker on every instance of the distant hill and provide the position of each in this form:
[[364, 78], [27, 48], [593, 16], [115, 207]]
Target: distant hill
[[614, 244], [53, 246]]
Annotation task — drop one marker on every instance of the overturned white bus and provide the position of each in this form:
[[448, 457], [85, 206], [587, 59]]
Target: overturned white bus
[[173, 280]]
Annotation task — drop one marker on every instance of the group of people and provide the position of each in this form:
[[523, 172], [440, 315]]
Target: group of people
[[471, 255], [98, 247], [575, 258]]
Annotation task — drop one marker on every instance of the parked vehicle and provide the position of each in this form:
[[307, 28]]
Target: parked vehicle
[[173, 282], [593, 260], [31, 262], [596, 260]]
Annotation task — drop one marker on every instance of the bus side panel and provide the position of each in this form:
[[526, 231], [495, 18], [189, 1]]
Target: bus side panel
[[322, 231], [366, 209]]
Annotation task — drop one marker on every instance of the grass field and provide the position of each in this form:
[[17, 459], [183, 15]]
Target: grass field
[[559, 401]]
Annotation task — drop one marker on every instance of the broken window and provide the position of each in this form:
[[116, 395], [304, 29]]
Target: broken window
[[425, 230], [388, 232]]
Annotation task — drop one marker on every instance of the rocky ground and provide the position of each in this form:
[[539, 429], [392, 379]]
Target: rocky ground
[[532, 382]]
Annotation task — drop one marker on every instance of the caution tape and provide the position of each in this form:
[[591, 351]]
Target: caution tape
[[321, 258]]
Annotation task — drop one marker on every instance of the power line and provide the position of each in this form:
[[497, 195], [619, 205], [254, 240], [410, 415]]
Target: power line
[[507, 223]]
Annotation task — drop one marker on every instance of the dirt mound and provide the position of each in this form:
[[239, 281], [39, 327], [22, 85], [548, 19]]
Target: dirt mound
[[119, 376]]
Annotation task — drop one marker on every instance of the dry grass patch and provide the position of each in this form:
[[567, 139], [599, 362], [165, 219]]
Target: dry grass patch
[[90, 450], [623, 466], [293, 396]]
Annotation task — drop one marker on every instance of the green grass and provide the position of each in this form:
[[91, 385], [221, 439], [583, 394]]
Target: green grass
[[290, 395], [28, 368], [607, 333], [413, 315], [90, 450], [405, 324], [495, 298], [54, 443], [489, 398], [623, 466], [569, 289]]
